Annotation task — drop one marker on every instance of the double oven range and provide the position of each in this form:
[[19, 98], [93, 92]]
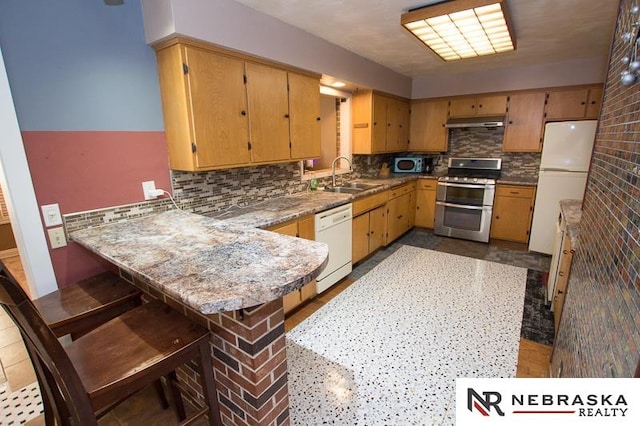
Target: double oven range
[[464, 198]]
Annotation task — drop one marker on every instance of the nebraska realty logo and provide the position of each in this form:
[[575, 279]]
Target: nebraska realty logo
[[554, 401]]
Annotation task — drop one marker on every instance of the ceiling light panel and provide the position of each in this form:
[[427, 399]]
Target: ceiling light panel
[[460, 29]]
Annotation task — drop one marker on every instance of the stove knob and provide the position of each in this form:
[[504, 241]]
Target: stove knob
[[475, 179], [464, 179]]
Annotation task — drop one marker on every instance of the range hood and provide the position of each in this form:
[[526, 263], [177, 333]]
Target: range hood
[[461, 123]]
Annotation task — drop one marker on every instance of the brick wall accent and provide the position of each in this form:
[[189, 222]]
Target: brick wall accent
[[599, 333], [250, 363], [248, 356]]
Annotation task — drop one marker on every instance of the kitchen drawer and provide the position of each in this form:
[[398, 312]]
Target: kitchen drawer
[[369, 203], [401, 190], [429, 184], [515, 191]]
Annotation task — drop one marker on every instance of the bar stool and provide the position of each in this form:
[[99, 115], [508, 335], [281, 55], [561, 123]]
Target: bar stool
[[102, 368], [80, 307]]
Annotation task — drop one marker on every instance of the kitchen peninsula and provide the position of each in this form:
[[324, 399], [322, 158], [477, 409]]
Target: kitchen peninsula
[[230, 279]]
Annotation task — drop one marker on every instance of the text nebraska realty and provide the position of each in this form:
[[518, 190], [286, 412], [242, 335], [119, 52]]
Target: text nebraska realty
[[590, 405], [587, 405]]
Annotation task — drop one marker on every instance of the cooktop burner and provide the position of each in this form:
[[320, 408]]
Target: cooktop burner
[[474, 168]]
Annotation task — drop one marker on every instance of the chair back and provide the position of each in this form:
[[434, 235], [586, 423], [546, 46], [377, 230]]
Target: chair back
[[59, 382]]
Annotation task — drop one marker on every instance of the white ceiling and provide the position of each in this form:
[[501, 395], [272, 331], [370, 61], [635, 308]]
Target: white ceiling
[[546, 31]]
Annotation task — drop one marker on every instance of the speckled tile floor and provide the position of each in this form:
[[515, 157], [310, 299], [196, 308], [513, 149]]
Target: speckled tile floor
[[395, 363]]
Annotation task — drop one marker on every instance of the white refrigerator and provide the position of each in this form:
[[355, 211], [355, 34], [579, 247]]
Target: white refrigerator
[[566, 154]]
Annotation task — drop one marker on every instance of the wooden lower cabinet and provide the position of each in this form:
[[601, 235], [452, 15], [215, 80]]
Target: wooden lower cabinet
[[564, 269], [301, 228], [426, 203], [368, 231], [401, 209], [512, 213]]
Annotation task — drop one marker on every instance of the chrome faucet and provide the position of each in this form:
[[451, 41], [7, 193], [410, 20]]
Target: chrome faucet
[[333, 168]]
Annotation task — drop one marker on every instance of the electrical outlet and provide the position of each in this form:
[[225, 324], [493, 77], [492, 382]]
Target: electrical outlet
[[147, 187], [57, 238], [51, 215]]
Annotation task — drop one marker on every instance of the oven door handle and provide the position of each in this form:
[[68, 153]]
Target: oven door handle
[[465, 185], [460, 206]]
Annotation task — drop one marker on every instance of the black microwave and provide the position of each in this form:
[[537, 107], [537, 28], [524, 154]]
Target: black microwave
[[408, 165]]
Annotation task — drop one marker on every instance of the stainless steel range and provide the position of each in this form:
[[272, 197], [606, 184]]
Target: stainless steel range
[[464, 198]]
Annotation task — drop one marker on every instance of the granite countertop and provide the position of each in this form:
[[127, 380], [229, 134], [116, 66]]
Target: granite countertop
[[522, 181], [571, 211], [273, 212], [209, 265]]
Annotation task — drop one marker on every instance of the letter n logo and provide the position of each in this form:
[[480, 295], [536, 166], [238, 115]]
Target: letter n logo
[[483, 405]]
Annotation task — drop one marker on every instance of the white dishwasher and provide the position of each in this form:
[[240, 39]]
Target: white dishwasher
[[333, 227]]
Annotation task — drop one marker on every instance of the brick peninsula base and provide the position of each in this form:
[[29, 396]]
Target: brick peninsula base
[[250, 365]]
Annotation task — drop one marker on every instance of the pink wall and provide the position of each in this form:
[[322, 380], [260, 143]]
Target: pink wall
[[91, 170]]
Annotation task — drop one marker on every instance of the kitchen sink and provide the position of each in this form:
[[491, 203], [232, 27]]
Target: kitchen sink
[[362, 186], [343, 189], [351, 187]]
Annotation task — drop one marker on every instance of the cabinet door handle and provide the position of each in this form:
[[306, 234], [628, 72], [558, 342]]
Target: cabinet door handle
[[582, 103], [510, 122], [243, 112], [565, 252], [560, 274], [400, 217], [560, 291], [317, 118], [497, 217], [572, 251], [286, 116], [515, 192]]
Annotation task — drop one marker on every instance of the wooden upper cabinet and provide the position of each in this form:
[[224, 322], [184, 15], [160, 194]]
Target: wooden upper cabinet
[[203, 131], [478, 105], [525, 117], [268, 113], [380, 123], [397, 137], [427, 132], [304, 120], [573, 104], [223, 109]]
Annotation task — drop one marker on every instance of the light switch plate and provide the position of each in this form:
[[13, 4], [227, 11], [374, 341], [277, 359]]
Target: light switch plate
[[57, 238], [51, 215]]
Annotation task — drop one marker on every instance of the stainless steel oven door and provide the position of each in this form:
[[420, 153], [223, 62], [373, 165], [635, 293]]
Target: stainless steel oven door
[[466, 194], [463, 221]]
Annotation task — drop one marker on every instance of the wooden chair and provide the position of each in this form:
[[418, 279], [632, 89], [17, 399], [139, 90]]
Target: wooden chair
[[80, 307], [97, 371]]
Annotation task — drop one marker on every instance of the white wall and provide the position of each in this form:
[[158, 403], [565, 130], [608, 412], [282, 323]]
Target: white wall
[[568, 73], [20, 197], [236, 26]]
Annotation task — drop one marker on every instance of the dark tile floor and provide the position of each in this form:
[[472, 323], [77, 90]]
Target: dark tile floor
[[537, 321]]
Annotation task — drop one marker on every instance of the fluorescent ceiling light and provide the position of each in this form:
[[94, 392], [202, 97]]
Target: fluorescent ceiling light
[[460, 29], [338, 84]]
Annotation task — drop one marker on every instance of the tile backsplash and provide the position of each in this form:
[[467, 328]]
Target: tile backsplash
[[488, 143], [207, 192]]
